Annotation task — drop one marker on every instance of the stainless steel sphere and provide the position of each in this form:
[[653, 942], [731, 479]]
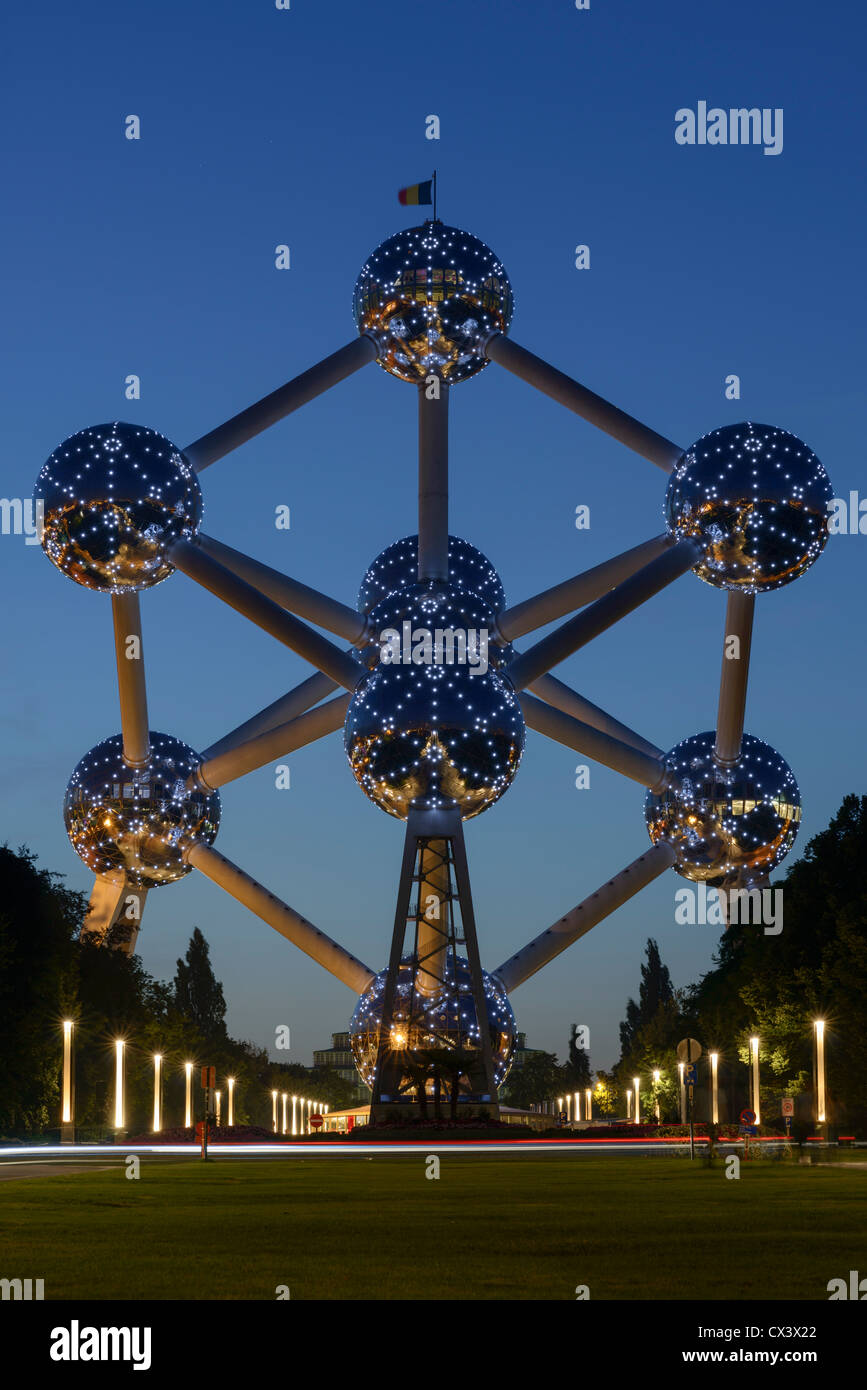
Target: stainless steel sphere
[[725, 821], [757, 498], [114, 497], [138, 821], [435, 722], [396, 567], [431, 296], [447, 1020]]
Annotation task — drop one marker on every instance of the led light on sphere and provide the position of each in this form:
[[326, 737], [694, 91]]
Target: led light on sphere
[[114, 499], [757, 498], [446, 1020], [434, 734], [396, 567], [723, 820], [431, 296], [139, 821]]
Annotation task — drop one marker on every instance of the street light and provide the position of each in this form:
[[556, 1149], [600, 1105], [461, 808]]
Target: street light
[[219, 1099], [118, 1083], [284, 1098], [230, 1082], [819, 1025], [636, 1084], [274, 1110], [754, 1049], [629, 1102], [656, 1076], [188, 1105], [577, 1105], [714, 1076], [66, 1097], [588, 1096], [158, 1072], [294, 1117], [681, 1071]]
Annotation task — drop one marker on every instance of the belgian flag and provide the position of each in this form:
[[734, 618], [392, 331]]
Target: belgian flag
[[416, 193]]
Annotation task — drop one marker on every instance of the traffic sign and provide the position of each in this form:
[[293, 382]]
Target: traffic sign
[[788, 1105], [688, 1050], [748, 1117], [317, 1121], [690, 1074]]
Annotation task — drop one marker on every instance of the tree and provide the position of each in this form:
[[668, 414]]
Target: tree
[[577, 1075], [654, 991], [198, 994], [538, 1080]]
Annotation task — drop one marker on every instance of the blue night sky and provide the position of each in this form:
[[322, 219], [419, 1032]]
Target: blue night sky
[[156, 257]]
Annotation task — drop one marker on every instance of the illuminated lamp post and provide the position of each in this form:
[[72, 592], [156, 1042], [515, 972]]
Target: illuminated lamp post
[[577, 1099], [231, 1085], [681, 1071], [219, 1100], [656, 1076], [629, 1103], [588, 1097], [274, 1095], [118, 1083], [754, 1053], [158, 1076], [188, 1098], [636, 1083], [294, 1116], [67, 1119], [714, 1075], [819, 1031]]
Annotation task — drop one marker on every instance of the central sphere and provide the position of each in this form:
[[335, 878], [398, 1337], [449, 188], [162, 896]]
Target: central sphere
[[114, 497], [720, 821], [396, 567], [757, 498], [431, 296], [435, 723], [138, 821], [446, 1021]]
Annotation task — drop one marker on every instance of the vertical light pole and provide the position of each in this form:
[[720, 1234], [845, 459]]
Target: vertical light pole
[[681, 1071], [219, 1099], [118, 1083], [754, 1052], [714, 1077], [588, 1097], [568, 1109], [636, 1084], [284, 1098], [158, 1074], [67, 1123], [559, 1108], [294, 1117], [656, 1076], [230, 1082], [188, 1099], [274, 1111], [577, 1099], [819, 1026], [629, 1103]]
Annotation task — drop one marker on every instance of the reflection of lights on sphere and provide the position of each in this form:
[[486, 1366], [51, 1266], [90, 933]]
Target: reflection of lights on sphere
[[723, 820], [757, 498], [115, 497], [429, 731], [138, 820], [431, 296], [397, 568], [447, 1020]]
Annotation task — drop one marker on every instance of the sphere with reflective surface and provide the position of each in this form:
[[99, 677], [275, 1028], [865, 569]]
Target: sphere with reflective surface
[[396, 567], [431, 296], [138, 821], [435, 723], [447, 1020], [723, 821], [114, 498], [757, 498]]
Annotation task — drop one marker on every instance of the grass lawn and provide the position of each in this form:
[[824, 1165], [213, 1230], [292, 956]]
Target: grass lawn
[[531, 1227]]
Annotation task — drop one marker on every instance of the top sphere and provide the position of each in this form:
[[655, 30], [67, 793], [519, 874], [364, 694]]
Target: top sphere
[[396, 568], [757, 497], [114, 498], [431, 296]]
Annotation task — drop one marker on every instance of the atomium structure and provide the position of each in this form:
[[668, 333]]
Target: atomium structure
[[435, 698]]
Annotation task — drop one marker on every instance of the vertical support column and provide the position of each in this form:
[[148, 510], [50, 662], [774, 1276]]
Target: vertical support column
[[126, 613], [433, 916], [740, 611], [433, 483]]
